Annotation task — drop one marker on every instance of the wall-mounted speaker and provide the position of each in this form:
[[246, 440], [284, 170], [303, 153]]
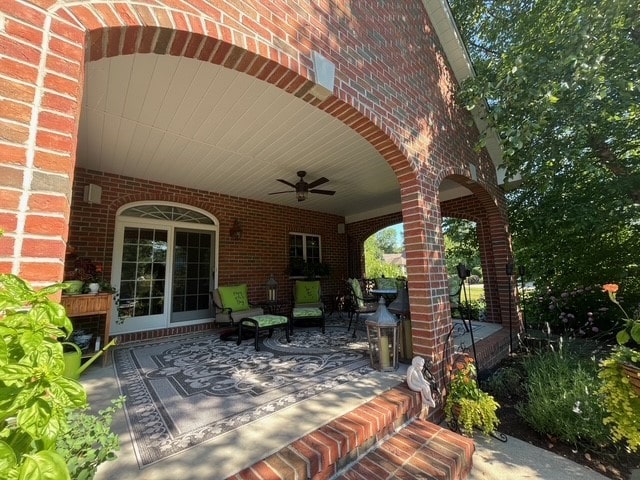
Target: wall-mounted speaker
[[92, 193]]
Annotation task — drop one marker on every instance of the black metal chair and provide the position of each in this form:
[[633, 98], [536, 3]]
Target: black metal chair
[[358, 303]]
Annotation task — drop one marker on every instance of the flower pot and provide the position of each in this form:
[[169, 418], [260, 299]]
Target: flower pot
[[94, 287], [633, 373], [74, 287]]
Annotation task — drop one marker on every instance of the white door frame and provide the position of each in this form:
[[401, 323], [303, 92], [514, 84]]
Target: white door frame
[[163, 320]]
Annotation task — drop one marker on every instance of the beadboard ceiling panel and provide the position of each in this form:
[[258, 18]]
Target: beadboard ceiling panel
[[184, 122]]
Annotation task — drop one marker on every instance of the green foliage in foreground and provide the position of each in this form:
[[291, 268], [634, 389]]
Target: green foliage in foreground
[[38, 404], [88, 441], [622, 403]]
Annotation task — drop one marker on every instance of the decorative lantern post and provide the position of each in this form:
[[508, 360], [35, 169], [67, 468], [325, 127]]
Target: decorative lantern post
[[382, 332], [400, 307], [272, 290]]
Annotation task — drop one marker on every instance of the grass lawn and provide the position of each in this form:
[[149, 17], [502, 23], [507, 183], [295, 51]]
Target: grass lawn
[[475, 292]]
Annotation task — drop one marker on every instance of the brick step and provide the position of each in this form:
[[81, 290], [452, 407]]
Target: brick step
[[419, 450], [380, 439]]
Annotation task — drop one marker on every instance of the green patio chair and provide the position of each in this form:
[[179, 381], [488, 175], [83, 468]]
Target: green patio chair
[[307, 303], [231, 304]]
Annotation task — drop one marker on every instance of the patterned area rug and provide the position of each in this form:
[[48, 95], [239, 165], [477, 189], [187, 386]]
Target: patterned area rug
[[187, 390]]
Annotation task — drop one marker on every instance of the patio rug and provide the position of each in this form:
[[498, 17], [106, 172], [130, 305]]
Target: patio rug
[[187, 390]]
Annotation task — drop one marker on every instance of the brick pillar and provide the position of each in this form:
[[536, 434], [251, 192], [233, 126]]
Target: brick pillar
[[43, 59]]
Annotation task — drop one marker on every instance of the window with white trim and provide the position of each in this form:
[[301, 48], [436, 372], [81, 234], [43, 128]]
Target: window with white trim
[[304, 249]]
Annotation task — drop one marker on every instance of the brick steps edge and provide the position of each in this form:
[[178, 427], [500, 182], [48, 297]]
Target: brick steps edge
[[349, 440]]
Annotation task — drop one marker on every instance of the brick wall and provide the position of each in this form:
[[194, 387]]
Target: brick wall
[[263, 249], [393, 86]]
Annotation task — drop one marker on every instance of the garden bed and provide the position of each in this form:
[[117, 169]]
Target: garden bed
[[613, 462]]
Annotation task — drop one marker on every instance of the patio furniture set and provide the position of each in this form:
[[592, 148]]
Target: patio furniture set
[[232, 306]]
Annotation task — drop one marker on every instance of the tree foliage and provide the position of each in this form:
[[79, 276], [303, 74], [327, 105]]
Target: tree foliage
[[384, 241], [461, 244], [560, 79]]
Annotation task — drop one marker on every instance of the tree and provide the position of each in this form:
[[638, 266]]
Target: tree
[[560, 82], [384, 241], [460, 244]]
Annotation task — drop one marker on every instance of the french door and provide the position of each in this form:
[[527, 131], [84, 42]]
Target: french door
[[163, 272]]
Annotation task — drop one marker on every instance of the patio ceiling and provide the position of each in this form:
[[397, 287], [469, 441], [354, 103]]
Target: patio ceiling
[[180, 121]]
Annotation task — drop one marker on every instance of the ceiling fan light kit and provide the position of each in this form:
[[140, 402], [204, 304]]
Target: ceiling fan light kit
[[302, 188]]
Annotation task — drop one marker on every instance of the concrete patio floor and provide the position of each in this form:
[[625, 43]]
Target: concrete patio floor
[[235, 450], [231, 452]]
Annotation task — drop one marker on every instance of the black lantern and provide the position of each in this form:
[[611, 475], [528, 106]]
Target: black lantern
[[382, 333], [400, 307], [272, 289]]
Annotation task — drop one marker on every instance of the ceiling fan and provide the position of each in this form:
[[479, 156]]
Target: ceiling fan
[[302, 188]]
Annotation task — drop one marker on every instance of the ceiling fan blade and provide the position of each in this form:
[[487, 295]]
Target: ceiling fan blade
[[284, 191], [286, 183], [318, 182], [322, 192]]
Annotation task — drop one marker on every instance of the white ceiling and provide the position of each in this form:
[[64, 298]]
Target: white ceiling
[[184, 122]]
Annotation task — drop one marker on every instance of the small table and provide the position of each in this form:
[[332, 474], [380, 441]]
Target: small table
[[388, 294], [263, 322]]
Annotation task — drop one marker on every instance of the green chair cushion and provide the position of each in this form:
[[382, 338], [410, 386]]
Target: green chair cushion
[[269, 320], [307, 312], [234, 297], [386, 284], [307, 291], [357, 291]]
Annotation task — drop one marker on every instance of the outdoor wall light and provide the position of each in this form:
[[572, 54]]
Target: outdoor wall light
[[236, 230]]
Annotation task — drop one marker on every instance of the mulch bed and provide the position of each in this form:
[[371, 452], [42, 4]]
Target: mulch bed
[[615, 463]]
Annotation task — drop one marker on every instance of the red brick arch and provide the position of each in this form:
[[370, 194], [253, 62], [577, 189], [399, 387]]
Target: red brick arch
[[393, 87], [218, 34], [494, 240]]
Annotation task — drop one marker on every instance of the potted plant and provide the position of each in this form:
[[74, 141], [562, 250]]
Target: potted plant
[[38, 401], [620, 375], [299, 267], [84, 275], [467, 406]]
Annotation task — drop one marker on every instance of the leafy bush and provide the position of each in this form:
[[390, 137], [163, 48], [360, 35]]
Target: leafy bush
[[580, 312], [36, 401], [467, 406], [507, 382], [563, 399], [620, 399], [88, 441]]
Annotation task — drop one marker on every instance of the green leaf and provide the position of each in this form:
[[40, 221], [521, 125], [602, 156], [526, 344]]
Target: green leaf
[[13, 374], [34, 418], [72, 390], [44, 465], [622, 337], [635, 332], [7, 458]]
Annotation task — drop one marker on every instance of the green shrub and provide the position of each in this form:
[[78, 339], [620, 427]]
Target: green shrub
[[579, 312], [563, 399], [507, 382], [88, 441]]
